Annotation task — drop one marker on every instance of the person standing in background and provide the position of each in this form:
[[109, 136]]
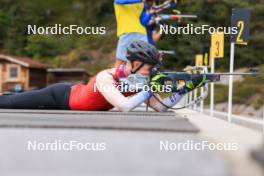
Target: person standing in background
[[130, 17], [151, 24]]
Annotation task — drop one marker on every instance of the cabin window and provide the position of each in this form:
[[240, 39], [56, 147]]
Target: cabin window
[[13, 72]]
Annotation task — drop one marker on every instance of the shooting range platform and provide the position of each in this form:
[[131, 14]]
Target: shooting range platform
[[132, 144], [138, 120]]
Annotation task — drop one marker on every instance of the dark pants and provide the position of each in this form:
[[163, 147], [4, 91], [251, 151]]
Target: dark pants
[[55, 96]]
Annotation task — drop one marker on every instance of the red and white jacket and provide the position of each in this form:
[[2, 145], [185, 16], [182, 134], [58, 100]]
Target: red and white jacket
[[102, 94]]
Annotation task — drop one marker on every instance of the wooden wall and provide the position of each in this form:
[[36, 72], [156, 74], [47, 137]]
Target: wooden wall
[[27, 77], [37, 78], [7, 83]]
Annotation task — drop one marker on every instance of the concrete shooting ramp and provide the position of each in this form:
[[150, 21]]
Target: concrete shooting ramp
[[152, 121], [133, 145]]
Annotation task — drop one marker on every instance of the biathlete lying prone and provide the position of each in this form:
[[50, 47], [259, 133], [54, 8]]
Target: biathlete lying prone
[[94, 97]]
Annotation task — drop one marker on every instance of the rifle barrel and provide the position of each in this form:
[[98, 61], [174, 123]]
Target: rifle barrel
[[176, 17], [235, 73], [215, 73], [184, 16], [167, 52]]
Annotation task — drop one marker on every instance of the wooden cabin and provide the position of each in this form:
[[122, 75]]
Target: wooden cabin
[[69, 75], [21, 71]]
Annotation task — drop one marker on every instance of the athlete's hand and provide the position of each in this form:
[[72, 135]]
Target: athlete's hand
[[196, 82], [157, 82]]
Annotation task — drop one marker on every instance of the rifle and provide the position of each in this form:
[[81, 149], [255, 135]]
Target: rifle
[[169, 4], [175, 77], [166, 17], [168, 52], [165, 5]]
